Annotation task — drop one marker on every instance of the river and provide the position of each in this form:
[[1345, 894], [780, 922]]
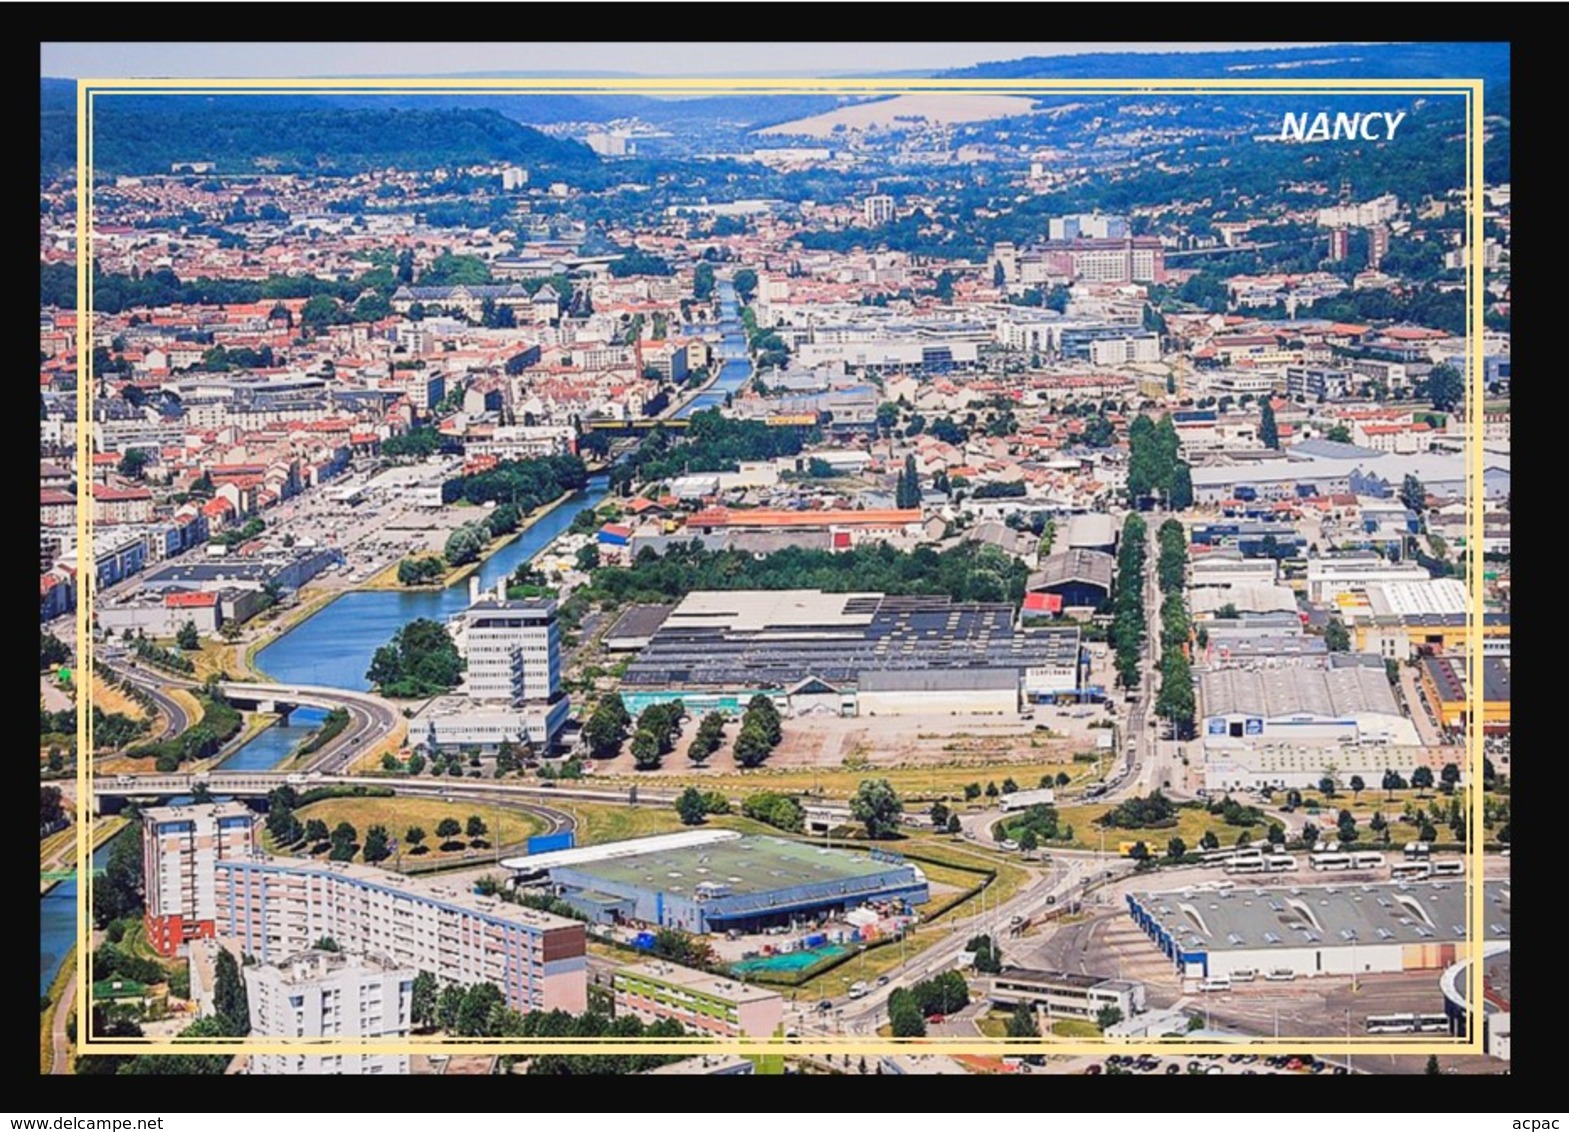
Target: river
[[333, 648], [735, 369], [57, 922]]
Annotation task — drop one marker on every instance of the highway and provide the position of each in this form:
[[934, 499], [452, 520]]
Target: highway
[[371, 718], [1045, 889]]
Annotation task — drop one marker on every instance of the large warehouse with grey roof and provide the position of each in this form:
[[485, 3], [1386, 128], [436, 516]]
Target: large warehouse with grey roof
[[1209, 932], [850, 654]]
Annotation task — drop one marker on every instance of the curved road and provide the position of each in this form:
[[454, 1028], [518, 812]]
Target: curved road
[[370, 719], [176, 718]]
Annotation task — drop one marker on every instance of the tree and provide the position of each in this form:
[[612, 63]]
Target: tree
[[1140, 852], [606, 727], [187, 637], [229, 1001], [1009, 786], [954, 825], [1107, 1017], [316, 831], [1413, 494], [133, 463], [1339, 433], [480, 1005], [119, 893], [376, 845], [877, 806], [414, 835], [646, 754], [1392, 782], [1337, 638], [1432, 1069], [1326, 786], [991, 790], [939, 815], [448, 1003], [1422, 778], [751, 745], [1357, 786], [344, 842], [52, 651], [475, 827], [689, 804], [1450, 777], [422, 1004], [907, 493], [1176, 848], [972, 791], [1209, 840], [1444, 387], [904, 1015], [1021, 1023], [1180, 497], [463, 545], [1029, 841], [1268, 431]]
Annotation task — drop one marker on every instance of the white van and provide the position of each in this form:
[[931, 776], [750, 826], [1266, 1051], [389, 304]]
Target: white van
[[857, 990], [1217, 983]]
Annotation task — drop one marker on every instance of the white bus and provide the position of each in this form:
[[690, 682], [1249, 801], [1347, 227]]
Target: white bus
[[1410, 870], [1326, 862], [1246, 865], [1281, 864], [1417, 850], [1391, 1023], [1244, 975], [1432, 1023], [1216, 983], [1368, 860], [1448, 868]]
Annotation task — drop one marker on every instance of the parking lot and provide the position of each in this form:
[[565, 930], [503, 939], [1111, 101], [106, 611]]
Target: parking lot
[[1214, 1065]]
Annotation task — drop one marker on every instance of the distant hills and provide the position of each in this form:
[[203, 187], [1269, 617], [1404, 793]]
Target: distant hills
[[350, 131], [148, 134]]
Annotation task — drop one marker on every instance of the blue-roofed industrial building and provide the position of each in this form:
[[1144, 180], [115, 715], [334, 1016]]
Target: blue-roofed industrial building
[[747, 884]]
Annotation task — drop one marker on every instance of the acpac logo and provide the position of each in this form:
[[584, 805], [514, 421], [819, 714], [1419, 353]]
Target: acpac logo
[[1342, 127]]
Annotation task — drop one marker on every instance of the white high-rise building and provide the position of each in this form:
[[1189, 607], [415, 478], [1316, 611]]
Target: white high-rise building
[[180, 845], [330, 994], [513, 650], [878, 209]]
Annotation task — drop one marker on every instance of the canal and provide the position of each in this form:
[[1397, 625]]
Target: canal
[[57, 921], [735, 366]]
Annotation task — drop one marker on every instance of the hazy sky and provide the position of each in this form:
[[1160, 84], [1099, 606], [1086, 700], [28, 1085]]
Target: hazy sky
[[318, 60]]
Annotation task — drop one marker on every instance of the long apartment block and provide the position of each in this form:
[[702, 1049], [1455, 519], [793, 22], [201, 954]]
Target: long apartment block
[[277, 907]]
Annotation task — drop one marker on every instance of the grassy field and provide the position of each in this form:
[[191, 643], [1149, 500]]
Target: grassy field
[[1074, 1028], [868, 965], [66, 973], [914, 784], [114, 700], [993, 1024], [1191, 826], [598, 823], [509, 827]]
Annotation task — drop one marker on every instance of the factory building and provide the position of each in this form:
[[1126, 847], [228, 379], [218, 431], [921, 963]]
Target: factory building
[[850, 654], [1330, 930]]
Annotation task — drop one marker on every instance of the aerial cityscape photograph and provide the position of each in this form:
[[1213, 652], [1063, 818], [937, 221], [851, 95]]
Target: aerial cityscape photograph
[[890, 559]]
